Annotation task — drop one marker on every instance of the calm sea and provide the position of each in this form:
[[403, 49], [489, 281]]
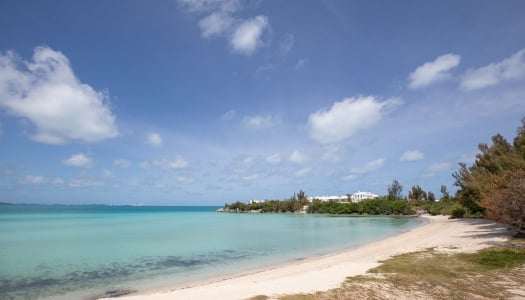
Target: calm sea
[[82, 252]]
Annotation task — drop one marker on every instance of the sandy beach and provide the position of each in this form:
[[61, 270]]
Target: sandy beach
[[327, 272]]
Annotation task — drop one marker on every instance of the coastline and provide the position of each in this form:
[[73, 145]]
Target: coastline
[[329, 271]]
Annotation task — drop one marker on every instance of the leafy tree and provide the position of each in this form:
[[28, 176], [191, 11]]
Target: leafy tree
[[494, 183], [394, 190], [444, 193], [506, 203], [431, 197], [416, 194]]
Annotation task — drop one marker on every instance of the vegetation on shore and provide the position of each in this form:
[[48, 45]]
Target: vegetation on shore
[[492, 187], [491, 273]]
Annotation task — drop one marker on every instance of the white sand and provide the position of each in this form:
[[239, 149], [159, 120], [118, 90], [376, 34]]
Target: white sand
[[327, 272]]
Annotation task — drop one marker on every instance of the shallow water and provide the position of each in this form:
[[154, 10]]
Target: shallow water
[[84, 251]]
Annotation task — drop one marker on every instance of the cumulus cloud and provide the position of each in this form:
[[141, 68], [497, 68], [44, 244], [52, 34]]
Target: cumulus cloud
[[274, 159], [350, 177], [298, 158], [261, 122], [218, 18], [154, 139], [370, 166], [248, 35], [412, 155], [347, 117], [511, 68], [48, 94], [170, 164], [302, 172], [215, 24], [121, 163], [433, 71], [32, 180], [436, 168], [78, 160]]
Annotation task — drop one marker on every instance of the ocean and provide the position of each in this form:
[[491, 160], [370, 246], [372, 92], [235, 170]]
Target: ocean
[[88, 251]]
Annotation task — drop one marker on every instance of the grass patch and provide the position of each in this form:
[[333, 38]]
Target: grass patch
[[259, 297], [493, 273], [495, 258]]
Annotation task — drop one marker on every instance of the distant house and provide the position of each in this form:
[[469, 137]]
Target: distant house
[[360, 196], [328, 198], [253, 201]]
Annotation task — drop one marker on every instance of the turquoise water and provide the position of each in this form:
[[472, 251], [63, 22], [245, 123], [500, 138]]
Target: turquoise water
[[81, 252]]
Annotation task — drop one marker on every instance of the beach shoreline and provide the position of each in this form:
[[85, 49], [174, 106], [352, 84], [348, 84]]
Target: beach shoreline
[[329, 271]]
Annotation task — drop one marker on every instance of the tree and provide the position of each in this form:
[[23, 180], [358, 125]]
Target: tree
[[394, 190], [506, 203], [416, 194], [494, 184], [431, 197], [444, 193]]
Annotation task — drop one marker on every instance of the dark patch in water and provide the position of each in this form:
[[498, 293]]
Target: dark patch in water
[[114, 293], [84, 277]]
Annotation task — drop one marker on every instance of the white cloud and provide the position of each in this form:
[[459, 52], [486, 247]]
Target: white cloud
[[57, 181], [370, 166], [84, 181], [433, 71], [439, 167], [203, 6], [436, 168], [32, 180], [412, 155], [48, 93], [302, 172], [350, 177], [287, 44], [218, 18], [215, 24], [107, 173], [78, 160], [261, 122], [228, 115], [298, 157], [274, 158], [121, 163], [510, 68], [249, 177], [145, 165], [347, 117], [185, 180], [247, 36], [332, 154], [154, 139], [168, 164]]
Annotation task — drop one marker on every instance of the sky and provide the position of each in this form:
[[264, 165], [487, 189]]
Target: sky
[[203, 102]]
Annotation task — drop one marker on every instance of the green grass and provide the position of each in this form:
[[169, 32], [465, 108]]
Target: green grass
[[492, 273]]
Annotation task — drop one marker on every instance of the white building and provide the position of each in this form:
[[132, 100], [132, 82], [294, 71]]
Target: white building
[[360, 196], [343, 198]]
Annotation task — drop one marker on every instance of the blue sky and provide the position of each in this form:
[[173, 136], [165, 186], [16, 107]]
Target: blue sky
[[207, 102]]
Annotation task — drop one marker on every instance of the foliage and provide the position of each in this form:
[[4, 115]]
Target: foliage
[[381, 206], [457, 212], [494, 184], [394, 190], [441, 207]]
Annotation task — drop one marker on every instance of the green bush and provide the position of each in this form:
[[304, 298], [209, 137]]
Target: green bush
[[458, 212]]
